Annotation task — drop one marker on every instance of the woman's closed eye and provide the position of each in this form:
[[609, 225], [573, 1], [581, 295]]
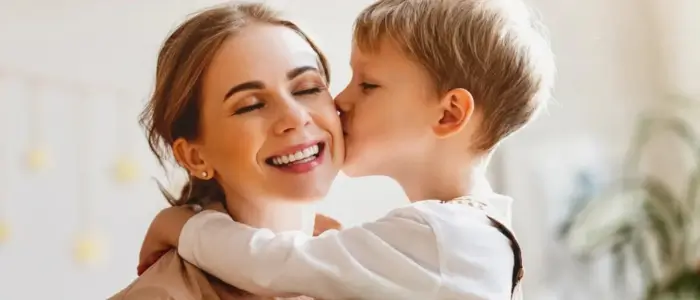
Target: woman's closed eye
[[256, 106], [311, 91], [249, 108]]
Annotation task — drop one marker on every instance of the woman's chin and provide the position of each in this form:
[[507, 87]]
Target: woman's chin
[[306, 187]]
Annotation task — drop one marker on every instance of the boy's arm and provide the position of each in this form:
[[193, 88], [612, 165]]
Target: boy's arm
[[393, 258], [164, 232]]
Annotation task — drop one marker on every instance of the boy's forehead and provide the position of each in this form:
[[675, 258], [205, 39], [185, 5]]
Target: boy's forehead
[[357, 56], [363, 63], [384, 54], [384, 59], [387, 61]]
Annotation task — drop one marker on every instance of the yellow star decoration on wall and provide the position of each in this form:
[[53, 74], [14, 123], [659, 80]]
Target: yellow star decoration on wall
[[4, 231], [126, 169], [38, 159], [89, 249]]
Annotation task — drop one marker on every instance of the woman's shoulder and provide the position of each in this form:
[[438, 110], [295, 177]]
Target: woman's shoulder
[[170, 278], [143, 293], [173, 278]]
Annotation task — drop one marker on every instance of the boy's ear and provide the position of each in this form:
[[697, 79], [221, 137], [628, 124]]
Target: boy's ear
[[457, 107], [189, 156]]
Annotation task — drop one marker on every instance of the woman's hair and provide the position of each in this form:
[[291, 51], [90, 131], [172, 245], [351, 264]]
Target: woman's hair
[[174, 108]]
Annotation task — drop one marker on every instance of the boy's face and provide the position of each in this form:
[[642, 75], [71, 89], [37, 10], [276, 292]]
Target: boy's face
[[388, 110]]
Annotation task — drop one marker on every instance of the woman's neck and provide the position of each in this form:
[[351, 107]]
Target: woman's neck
[[274, 215]]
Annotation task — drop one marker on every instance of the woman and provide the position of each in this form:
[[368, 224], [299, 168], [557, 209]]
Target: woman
[[241, 101]]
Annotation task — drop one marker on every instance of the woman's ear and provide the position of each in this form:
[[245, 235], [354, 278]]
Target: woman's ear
[[457, 107], [189, 156]]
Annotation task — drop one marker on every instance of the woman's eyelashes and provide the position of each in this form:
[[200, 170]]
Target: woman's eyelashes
[[305, 92], [311, 91], [249, 108]]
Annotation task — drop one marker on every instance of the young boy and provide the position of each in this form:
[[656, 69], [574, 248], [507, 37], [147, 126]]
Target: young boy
[[437, 84]]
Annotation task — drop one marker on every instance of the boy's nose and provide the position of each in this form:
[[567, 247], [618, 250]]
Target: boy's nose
[[343, 102]]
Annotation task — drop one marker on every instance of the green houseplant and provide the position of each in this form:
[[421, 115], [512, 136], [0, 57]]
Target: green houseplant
[[643, 223]]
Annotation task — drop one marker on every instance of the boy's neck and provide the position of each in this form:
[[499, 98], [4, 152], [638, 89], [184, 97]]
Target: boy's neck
[[275, 215], [443, 179]]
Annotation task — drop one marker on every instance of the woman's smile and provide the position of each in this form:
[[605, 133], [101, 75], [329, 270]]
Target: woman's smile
[[300, 158]]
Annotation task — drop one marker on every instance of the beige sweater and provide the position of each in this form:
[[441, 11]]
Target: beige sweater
[[172, 278]]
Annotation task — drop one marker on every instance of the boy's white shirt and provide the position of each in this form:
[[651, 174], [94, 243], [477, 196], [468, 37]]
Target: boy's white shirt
[[426, 250]]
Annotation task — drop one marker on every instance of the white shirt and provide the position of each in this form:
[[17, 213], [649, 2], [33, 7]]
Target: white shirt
[[426, 250]]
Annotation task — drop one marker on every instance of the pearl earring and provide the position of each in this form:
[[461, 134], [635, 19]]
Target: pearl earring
[[205, 175]]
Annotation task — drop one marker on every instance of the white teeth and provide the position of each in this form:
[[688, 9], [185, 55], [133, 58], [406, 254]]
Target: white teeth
[[300, 156]]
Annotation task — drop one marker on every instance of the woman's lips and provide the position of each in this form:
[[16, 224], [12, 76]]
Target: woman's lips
[[302, 161]]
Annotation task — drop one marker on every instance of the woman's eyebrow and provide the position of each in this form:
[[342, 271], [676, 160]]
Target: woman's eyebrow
[[249, 85], [293, 73], [259, 85]]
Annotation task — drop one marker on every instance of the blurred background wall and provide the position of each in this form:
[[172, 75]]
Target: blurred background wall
[[76, 174]]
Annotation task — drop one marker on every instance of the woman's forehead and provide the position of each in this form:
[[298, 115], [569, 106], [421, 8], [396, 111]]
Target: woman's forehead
[[262, 54], [265, 47]]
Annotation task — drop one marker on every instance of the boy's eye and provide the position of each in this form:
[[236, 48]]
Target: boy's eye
[[368, 86], [249, 108]]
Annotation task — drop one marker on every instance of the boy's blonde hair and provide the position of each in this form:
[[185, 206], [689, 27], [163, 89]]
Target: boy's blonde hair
[[492, 48]]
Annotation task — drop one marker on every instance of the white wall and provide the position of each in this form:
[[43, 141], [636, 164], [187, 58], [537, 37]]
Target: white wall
[[678, 29], [606, 65]]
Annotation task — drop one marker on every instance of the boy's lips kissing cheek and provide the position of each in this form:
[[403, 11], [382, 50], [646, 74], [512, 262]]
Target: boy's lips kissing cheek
[[344, 124]]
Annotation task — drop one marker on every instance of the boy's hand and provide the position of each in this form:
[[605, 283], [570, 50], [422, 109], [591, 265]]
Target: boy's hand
[[163, 235], [323, 223]]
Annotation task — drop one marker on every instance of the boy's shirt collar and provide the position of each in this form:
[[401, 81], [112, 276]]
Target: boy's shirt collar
[[501, 205]]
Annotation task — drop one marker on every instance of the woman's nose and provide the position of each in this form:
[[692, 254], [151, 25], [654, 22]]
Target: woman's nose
[[293, 116]]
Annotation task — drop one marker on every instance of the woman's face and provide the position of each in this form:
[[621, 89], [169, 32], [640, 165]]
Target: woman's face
[[269, 127]]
